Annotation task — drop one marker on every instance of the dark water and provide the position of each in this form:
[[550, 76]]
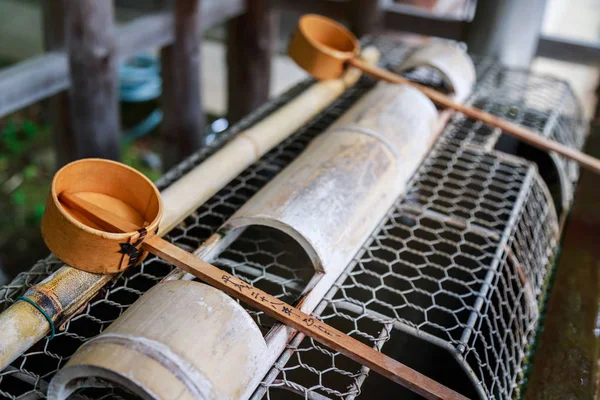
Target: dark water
[[565, 365]]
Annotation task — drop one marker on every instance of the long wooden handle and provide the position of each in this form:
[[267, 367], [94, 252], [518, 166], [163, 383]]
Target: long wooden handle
[[508, 127], [281, 311]]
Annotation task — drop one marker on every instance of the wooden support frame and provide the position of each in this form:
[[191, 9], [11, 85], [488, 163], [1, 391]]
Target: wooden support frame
[[39, 77], [332, 9], [250, 46], [366, 16], [54, 39], [578, 51], [183, 124], [401, 17], [93, 96]]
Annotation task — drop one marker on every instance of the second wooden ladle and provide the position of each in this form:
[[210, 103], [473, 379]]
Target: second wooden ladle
[[325, 48]]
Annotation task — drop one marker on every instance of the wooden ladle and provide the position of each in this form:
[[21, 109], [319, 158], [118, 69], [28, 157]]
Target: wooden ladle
[[111, 216], [325, 48]]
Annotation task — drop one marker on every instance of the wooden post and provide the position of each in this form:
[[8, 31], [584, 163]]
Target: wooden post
[[365, 16], [250, 45], [54, 39], [183, 124], [93, 97]]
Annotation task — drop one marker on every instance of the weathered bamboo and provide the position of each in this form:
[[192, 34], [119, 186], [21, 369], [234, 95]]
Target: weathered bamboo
[[70, 288], [454, 65], [182, 340], [357, 168]]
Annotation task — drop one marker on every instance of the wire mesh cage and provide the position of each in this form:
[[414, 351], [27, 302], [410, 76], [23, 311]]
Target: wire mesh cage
[[452, 282]]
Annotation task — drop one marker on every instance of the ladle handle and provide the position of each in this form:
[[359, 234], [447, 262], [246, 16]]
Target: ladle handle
[[508, 127], [310, 326], [272, 306]]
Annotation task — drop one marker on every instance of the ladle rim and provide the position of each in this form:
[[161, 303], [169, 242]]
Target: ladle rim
[[81, 225], [342, 55]]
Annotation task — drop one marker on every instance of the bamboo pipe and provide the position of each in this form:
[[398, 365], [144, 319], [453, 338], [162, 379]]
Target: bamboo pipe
[[72, 288], [325, 48], [186, 195], [285, 313]]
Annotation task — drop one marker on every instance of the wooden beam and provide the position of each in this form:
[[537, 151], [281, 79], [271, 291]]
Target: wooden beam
[[250, 45], [34, 79], [158, 29], [400, 17], [331, 9], [366, 16], [54, 39], [571, 50], [183, 123], [93, 96]]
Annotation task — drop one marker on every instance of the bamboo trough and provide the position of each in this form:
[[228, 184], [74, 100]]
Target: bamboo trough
[[344, 183], [66, 291]]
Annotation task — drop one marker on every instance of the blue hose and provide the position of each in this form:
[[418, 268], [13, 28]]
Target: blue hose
[[139, 81]]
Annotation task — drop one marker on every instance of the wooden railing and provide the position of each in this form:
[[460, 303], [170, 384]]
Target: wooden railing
[[83, 44], [79, 71]]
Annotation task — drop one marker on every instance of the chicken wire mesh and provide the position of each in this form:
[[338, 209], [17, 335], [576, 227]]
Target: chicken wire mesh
[[456, 272], [460, 263]]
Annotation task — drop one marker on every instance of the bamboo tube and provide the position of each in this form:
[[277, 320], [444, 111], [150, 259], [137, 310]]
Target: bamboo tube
[[452, 62], [71, 287], [382, 113], [357, 168], [200, 343]]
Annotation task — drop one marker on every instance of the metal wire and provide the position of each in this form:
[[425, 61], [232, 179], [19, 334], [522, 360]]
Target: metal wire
[[452, 279]]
